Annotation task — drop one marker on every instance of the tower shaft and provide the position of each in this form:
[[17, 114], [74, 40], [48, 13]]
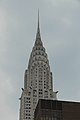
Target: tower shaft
[[38, 83]]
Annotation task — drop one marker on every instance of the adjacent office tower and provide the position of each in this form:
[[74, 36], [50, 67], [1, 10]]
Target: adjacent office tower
[[38, 83], [57, 110]]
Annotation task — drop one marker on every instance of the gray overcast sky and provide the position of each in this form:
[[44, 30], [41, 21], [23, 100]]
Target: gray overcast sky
[[60, 32]]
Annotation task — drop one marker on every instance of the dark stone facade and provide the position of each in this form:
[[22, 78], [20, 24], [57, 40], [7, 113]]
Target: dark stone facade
[[57, 110]]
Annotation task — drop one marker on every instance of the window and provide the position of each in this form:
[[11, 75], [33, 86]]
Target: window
[[40, 89], [28, 98], [40, 92]]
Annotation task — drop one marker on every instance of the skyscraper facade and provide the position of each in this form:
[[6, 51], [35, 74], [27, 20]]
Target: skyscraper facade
[[57, 110], [38, 83]]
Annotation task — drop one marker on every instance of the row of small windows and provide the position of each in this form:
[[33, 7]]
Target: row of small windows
[[39, 53], [27, 111], [40, 92], [40, 70], [40, 80], [40, 96], [27, 101], [28, 114], [27, 98], [40, 64], [40, 89], [40, 58], [39, 48], [34, 95], [27, 104], [28, 118], [27, 107], [45, 96], [50, 118], [40, 76]]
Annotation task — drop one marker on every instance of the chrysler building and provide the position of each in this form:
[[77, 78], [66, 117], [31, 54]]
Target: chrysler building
[[38, 82]]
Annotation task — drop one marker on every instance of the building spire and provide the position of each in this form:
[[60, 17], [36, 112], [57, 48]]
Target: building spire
[[38, 37], [38, 29]]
